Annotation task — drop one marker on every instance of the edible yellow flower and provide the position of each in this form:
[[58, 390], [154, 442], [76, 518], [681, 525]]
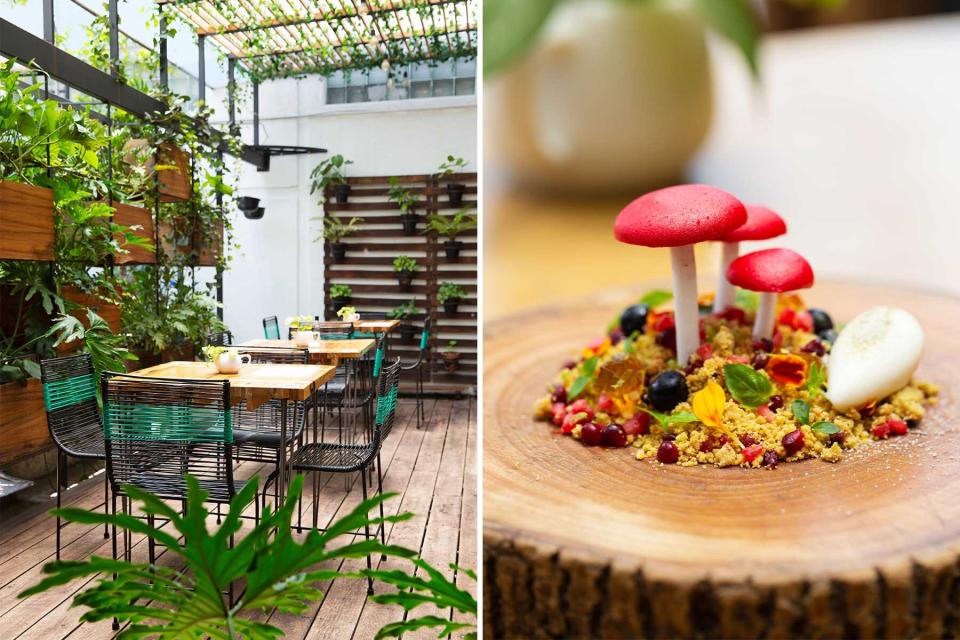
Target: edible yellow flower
[[708, 405]]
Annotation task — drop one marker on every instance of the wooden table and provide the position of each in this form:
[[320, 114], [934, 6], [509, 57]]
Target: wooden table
[[376, 326], [329, 352], [256, 383]]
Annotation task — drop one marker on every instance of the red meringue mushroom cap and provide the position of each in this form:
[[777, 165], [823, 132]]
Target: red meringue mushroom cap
[[762, 224], [679, 215], [771, 271]]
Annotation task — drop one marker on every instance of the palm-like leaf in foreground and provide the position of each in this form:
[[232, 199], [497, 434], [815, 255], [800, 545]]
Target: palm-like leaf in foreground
[[269, 568]]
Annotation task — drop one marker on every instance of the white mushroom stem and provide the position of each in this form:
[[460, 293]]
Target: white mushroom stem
[[686, 312], [726, 292], [766, 310]]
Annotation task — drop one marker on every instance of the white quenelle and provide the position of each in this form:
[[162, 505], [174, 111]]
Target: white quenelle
[[875, 355]]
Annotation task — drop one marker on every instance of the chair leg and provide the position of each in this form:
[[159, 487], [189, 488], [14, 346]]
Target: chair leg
[[151, 544], [300, 513], [383, 528], [366, 528], [106, 505], [113, 510], [60, 483], [316, 501]]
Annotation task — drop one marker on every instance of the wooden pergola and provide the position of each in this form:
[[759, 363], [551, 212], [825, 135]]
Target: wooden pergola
[[284, 38]]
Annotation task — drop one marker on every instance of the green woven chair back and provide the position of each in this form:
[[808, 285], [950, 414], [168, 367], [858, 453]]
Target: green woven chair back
[[378, 361], [337, 336], [70, 398], [424, 338], [271, 328], [387, 388]]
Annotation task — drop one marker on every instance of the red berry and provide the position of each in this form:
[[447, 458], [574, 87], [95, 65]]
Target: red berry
[[705, 350], [786, 317], [881, 431], [776, 402], [763, 344], [638, 425], [581, 406], [663, 322], [733, 314], [559, 394], [752, 452], [613, 436], [815, 347], [668, 452], [764, 412], [572, 420], [708, 445], [616, 336], [667, 338], [777, 341], [897, 427], [793, 442], [759, 361], [590, 434], [559, 412], [604, 403], [803, 321], [747, 440], [770, 459]]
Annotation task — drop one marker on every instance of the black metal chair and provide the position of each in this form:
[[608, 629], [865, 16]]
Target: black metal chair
[[423, 358], [73, 418], [220, 338], [256, 432], [333, 457], [271, 328], [158, 430]]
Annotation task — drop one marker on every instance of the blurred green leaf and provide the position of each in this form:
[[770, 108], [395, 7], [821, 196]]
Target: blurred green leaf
[[510, 29], [734, 19]]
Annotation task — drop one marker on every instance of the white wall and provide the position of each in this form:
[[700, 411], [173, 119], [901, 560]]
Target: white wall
[[279, 269]]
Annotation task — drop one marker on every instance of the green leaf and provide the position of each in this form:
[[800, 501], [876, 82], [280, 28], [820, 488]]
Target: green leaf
[[825, 427], [749, 387], [816, 376], [748, 300], [511, 27], [587, 370], [32, 368], [734, 20], [801, 411], [667, 421], [657, 297]]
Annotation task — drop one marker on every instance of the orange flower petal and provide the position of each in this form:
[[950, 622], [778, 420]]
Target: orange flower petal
[[787, 369], [708, 404]]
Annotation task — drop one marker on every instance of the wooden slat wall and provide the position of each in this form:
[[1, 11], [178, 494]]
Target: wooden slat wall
[[368, 269]]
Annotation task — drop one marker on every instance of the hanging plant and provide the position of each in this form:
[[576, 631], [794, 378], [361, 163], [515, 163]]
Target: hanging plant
[[455, 190], [330, 173], [406, 201]]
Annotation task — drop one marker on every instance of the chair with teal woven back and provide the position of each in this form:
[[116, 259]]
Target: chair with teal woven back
[[334, 457], [271, 328], [160, 430], [423, 359], [334, 330], [73, 417]]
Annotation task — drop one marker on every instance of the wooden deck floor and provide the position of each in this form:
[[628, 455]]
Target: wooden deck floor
[[434, 470]]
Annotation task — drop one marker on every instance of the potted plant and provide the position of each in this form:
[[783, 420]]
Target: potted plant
[[451, 358], [405, 267], [450, 227], [340, 296], [334, 231], [450, 295], [402, 312], [404, 198], [455, 190], [330, 173], [226, 360], [348, 314]]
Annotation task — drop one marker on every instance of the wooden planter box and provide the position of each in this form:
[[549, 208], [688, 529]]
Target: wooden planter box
[[174, 185], [26, 222], [23, 420], [130, 216]]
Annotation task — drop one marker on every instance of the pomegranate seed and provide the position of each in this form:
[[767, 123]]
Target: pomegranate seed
[[572, 420], [569, 364], [776, 402], [667, 339], [604, 403], [763, 344], [897, 427], [770, 459], [793, 442], [759, 361], [695, 363], [747, 440], [559, 394], [559, 412], [750, 453], [668, 452], [723, 440], [663, 322], [777, 341], [733, 314], [613, 436], [787, 317], [705, 350], [638, 425], [881, 431], [764, 412], [670, 436], [738, 359], [590, 434], [708, 445], [615, 337], [803, 321], [838, 437], [815, 347], [581, 406]]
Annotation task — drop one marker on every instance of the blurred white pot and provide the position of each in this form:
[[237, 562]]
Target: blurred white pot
[[614, 96]]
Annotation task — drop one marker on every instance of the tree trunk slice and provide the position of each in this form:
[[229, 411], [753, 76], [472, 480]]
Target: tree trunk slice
[[588, 542]]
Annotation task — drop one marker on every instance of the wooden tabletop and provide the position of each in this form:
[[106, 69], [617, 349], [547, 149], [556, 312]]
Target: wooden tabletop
[[329, 351], [376, 326], [255, 383]]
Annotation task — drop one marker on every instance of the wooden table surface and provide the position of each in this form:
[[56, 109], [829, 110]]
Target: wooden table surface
[[851, 135], [255, 383], [376, 326], [326, 351]]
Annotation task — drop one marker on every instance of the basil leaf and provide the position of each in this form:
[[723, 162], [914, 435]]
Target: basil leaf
[[816, 376], [826, 427], [655, 298], [748, 386], [666, 420], [801, 411], [586, 375]]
